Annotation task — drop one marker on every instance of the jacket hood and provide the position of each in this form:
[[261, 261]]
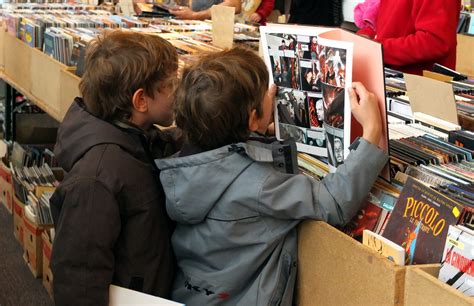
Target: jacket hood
[[195, 183], [80, 131]]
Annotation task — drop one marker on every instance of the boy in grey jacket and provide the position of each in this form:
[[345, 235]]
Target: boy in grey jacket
[[236, 239]]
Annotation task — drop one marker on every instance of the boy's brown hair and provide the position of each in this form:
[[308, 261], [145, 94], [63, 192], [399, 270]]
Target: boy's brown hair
[[216, 95], [117, 64]]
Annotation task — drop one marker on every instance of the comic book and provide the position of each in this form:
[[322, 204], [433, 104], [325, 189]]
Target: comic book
[[313, 68]]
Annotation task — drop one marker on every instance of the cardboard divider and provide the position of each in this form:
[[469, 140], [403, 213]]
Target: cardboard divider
[[18, 224], [33, 246], [17, 58], [464, 58], [47, 274], [335, 269], [6, 187], [422, 287], [222, 26], [431, 97], [3, 30], [69, 89], [46, 81]]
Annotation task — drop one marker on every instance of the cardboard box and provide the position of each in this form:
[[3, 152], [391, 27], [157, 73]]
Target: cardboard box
[[422, 287], [47, 274], [17, 62], [69, 90], [18, 224], [6, 188], [335, 269], [2, 45], [464, 58], [46, 81], [33, 246]]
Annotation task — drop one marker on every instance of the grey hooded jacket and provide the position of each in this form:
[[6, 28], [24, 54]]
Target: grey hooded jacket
[[236, 241]]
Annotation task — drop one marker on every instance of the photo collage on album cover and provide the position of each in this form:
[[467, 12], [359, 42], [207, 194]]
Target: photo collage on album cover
[[310, 99]]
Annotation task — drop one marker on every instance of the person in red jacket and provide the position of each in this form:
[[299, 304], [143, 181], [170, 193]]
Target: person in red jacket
[[262, 12], [415, 34]]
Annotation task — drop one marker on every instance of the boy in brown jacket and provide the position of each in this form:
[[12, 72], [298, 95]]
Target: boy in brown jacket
[[109, 214]]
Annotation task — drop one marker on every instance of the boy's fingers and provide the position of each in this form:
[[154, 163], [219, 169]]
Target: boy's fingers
[[353, 98], [360, 90]]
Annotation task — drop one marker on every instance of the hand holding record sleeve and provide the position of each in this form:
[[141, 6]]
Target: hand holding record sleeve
[[365, 109]]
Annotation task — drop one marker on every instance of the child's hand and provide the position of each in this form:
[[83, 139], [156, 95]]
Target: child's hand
[[255, 17], [365, 109]]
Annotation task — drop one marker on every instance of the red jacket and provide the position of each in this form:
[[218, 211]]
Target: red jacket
[[265, 9], [417, 33]]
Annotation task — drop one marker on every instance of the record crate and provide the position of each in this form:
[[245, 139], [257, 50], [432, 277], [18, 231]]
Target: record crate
[[422, 287], [335, 269], [33, 246], [69, 90], [46, 82], [17, 59], [47, 273], [6, 187], [18, 224], [33, 242]]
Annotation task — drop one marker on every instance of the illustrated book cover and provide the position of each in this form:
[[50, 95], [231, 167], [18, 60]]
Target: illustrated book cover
[[457, 267], [384, 247], [420, 220], [313, 68]]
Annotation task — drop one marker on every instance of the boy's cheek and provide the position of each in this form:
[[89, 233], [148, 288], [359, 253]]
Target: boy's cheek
[[167, 118]]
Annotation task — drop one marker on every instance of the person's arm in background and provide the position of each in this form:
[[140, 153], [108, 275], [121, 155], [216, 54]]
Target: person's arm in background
[[87, 228], [435, 34], [263, 11], [188, 13]]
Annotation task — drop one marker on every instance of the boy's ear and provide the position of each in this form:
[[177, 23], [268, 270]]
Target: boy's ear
[[253, 121], [140, 101]]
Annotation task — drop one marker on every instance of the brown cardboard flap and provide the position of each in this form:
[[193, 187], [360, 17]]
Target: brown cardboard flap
[[45, 81], [17, 61], [432, 97], [334, 269], [18, 224], [222, 26], [69, 89], [2, 45], [464, 58], [422, 287]]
